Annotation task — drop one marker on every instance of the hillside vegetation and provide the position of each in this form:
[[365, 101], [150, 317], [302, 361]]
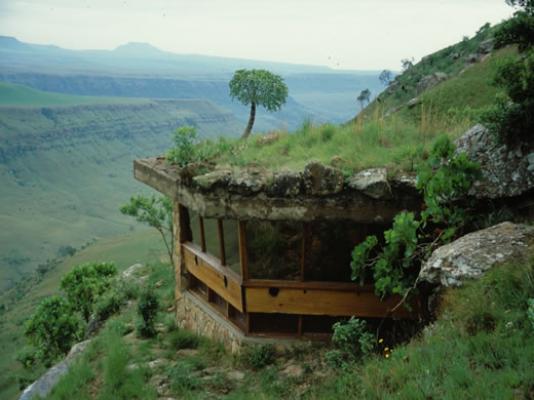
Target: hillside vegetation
[[389, 132], [18, 303], [473, 350]]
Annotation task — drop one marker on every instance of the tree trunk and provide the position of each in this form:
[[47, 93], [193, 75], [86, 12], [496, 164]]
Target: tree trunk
[[251, 119]]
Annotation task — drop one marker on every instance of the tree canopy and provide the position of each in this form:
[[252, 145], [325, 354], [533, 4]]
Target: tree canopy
[[258, 87]]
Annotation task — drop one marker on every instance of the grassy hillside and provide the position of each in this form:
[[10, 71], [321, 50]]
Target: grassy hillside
[[23, 96], [389, 132], [138, 246]]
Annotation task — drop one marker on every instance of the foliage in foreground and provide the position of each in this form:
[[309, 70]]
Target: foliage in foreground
[[51, 330], [85, 283], [147, 308], [352, 342], [155, 212], [512, 118], [481, 347], [444, 179]]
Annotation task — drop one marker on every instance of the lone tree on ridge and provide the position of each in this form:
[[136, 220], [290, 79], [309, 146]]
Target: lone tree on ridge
[[365, 96], [258, 87]]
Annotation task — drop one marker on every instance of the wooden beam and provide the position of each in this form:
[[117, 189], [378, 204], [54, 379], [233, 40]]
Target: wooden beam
[[243, 258], [322, 285], [219, 279], [323, 302], [202, 234], [182, 233], [220, 234]]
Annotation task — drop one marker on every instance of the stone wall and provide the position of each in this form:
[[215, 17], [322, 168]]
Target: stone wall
[[194, 315]]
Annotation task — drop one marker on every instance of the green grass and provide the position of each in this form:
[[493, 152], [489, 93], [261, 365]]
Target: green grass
[[451, 60], [475, 350], [141, 246], [461, 99], [392, 143], [481, 347], [23, 96]]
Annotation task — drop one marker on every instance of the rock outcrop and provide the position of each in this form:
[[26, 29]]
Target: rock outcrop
[[429, 81], [373, 182], [321, 180], [506, 171], [44, 385], [473, 254]]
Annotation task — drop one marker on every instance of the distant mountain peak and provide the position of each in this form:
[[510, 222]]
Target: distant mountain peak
[[138, 48], [10, 41]]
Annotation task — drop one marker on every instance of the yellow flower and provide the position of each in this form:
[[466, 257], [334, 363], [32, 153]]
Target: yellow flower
[[380, 340]]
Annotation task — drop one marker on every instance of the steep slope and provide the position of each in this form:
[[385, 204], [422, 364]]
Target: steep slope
[[64, 170], [447, 90]]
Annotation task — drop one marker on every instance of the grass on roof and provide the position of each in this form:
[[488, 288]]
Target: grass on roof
[[383, 142]]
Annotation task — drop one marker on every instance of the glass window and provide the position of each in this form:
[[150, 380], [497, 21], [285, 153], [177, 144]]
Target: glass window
[[231, 244], [274, 249]]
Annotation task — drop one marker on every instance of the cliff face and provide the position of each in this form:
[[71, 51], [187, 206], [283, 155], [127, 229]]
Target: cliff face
[[26, 130], [214, 90]]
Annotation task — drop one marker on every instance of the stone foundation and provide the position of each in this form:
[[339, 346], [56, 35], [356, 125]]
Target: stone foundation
[[197, 317], [194, 315]]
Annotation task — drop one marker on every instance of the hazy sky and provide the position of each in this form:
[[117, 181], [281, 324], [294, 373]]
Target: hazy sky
[[356, 34]]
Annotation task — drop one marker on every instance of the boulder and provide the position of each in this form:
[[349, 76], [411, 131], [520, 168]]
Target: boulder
[[486, 46], [217, 178], [44, 385], [505, 171], [285, 184], [373, 182], [473, 58], [236, 375], [429, 81], [132, 272], [473, 254], [413, 102], [292, 370], [322, 180], [249, 181]]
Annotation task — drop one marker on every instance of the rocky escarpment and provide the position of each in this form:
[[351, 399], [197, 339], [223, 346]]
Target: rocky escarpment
[[27, 129], [507, 171]]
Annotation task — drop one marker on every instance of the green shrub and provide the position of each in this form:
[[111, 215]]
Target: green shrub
[[27, 357], [335, 358], [183, 339], [512, 118], [327, 132], [53, 329], [184, 150], [85, 283], [444, 179], [258, 357], [109, 303], [351, 340], [147, 308]]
